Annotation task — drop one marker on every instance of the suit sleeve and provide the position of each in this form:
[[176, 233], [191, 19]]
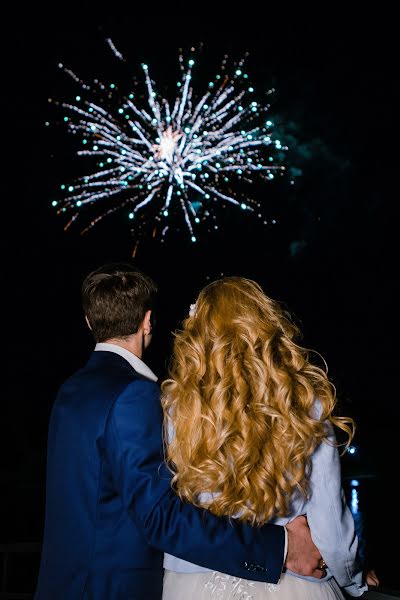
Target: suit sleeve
[[133, 446], [331, 521]]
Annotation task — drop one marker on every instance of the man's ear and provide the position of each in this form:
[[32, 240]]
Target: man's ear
[[147, 322], [88, 324]]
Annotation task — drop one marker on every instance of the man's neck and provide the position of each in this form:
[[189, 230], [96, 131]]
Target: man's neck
[[132, 344]]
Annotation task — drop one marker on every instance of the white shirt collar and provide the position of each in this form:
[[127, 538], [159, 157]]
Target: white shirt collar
[[132, 359]]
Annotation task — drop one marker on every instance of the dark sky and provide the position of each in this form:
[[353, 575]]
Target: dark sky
[[330, 258]]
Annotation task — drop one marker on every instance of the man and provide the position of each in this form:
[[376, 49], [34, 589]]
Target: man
[[110, 508]]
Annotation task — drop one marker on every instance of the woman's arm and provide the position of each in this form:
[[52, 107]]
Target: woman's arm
[[330, 519]]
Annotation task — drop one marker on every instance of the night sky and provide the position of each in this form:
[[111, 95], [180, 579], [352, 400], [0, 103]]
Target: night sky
[[330, 258]]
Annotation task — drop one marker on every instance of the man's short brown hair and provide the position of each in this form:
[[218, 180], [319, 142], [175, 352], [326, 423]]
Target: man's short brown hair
[[115, 299]]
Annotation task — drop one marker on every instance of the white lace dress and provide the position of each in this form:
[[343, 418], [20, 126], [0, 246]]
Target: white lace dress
[[218, 586]]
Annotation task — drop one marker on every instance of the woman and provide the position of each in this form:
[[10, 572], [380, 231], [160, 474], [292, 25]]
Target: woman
[[250, 434]]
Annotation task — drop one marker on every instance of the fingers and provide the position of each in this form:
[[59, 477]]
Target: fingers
[[319, 573], [372, 579], [303, 557], [321, 569]]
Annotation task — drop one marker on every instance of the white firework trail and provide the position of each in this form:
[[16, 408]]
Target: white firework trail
[[158, 160]]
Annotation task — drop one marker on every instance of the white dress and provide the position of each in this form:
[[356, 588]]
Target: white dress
[[333, 532], [219, 586]]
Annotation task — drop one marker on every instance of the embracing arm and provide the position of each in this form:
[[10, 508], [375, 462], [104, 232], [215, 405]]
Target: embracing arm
[[133, 446]]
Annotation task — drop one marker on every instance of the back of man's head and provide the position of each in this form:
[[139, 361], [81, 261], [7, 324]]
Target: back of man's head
[[115, 299]]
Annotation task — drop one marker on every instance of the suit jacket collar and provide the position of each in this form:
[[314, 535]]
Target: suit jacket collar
[[136, 363]]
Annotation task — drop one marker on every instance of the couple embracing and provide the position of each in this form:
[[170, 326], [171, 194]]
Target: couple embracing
[[223, 484]]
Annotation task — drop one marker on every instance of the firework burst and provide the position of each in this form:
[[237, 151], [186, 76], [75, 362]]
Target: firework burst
[[168, 164]]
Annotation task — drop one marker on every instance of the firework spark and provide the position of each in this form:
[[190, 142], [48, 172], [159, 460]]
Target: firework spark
[[169, 163]]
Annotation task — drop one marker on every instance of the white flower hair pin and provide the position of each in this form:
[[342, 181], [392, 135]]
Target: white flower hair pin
[[192, 310]]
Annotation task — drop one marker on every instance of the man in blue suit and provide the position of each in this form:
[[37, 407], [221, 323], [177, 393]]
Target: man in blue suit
[[110, 508]]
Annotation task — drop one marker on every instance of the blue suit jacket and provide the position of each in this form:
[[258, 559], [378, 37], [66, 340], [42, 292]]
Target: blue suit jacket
[[110, 509]]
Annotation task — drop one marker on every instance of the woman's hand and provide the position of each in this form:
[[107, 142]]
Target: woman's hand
[[371, 578]]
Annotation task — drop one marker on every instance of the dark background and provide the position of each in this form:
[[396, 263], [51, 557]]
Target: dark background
[[330, 258]]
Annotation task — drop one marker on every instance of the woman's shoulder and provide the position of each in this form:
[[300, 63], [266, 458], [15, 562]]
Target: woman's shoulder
[[316, 409]]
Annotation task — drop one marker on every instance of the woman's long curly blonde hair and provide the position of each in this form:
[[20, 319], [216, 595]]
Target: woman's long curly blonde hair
[[241, 403]]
